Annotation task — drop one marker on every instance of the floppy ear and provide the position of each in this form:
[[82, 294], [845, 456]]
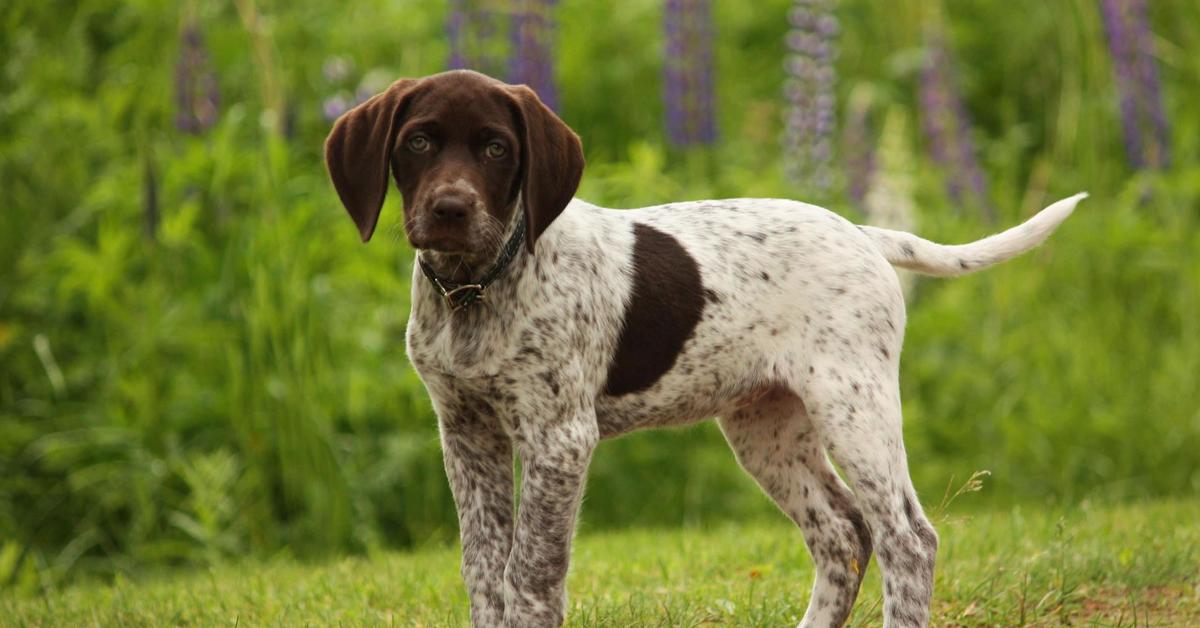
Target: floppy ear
[[552, 163], [358, 149]]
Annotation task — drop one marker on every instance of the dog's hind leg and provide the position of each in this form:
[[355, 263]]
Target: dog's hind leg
[[854, 404], [774, 441]]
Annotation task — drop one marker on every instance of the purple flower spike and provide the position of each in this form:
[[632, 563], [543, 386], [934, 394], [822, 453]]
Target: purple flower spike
[[859, 147], [810, 117], [947, 126], [196, 93], [336, 105], [1143, 118], [531, 32], [471, 31], [455, 25], [688, 88]]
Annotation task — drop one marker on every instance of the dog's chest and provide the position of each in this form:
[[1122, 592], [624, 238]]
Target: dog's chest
[[456, 349], [518, 347]]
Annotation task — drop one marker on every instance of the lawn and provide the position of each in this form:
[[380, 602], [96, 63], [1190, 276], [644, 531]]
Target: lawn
[[1133, 564]]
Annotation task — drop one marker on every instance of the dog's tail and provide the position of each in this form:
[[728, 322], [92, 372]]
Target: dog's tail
[[950, 260]]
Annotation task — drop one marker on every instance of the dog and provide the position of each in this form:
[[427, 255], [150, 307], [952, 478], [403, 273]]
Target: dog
[[542, 324]]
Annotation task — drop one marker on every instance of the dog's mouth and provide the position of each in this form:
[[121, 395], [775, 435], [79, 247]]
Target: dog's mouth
[[451, 256], [440, 239], [444, 245], [452, 247]]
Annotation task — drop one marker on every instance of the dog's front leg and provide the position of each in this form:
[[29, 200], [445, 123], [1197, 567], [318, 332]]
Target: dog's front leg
[[554, 462], [479, 465]]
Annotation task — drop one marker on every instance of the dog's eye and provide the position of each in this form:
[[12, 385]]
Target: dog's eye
[[418, 143], [496, 150]]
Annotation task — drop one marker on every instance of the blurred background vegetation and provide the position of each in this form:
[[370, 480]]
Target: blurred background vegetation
[[199, 360]]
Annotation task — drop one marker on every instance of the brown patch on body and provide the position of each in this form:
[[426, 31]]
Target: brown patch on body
[[664, 310]]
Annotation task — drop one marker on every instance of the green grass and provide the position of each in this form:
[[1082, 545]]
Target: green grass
[[1133, 564]]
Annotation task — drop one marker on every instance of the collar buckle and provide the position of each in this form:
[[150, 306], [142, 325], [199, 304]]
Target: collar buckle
[[462, 296]]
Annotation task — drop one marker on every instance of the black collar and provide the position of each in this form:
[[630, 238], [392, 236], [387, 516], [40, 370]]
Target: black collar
[[463, 295]]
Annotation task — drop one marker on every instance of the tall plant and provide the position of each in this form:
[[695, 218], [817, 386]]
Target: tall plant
[[809, 120], [888, 197], [858, 146], [475, 29], [1143, 118], [688, 72], [197, 97], [947, 126], [531, 63]]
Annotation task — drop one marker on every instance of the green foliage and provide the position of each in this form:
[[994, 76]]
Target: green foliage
[[217, 369]]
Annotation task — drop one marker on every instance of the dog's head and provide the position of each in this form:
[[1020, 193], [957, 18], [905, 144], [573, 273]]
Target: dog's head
[[462, 148]]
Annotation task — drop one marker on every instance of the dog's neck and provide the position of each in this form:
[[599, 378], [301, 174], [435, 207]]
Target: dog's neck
[[455, 267], [462, 283]]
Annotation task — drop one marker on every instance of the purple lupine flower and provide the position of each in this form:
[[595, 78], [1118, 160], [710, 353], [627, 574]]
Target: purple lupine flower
[[1143, 118], [673, 91], [471, 30], [343, 100], [196, 93], [688, 88], [336, 105], [809, 119], [530, 61], [456, 23], [947, 126], [858, 146], [1120, 45]]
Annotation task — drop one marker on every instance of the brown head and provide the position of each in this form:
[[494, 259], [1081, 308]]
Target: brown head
[[462, 148]]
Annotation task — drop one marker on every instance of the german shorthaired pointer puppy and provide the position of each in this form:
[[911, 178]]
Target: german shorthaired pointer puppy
[[541, 324]]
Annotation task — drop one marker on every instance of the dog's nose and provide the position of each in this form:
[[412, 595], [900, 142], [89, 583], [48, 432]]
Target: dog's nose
[[451, 209]]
